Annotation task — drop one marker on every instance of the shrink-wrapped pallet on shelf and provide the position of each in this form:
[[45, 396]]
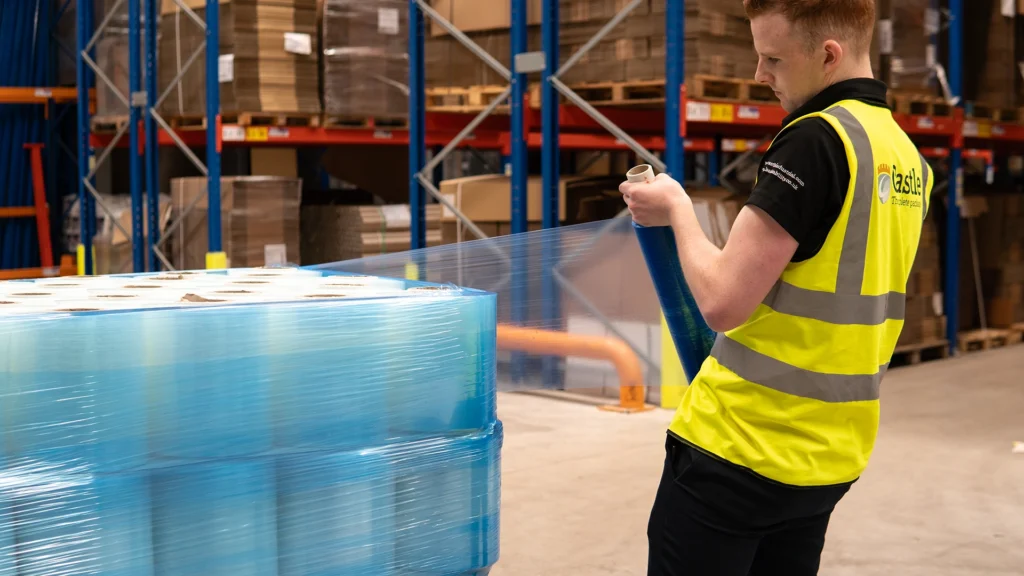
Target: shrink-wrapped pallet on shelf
[[255, 421], [268, 61], [366, 60]]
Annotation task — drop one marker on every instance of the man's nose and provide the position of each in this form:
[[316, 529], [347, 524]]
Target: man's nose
[[760, 75]]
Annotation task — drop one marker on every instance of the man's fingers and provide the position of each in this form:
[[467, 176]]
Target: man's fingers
[[663, 176]]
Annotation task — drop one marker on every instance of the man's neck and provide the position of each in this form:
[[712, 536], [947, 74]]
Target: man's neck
[[861, 69]]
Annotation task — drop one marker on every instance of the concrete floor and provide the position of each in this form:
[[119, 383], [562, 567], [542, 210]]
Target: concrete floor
[[943, 495]]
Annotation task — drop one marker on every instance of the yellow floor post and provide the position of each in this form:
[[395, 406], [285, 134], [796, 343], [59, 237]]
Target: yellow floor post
[[673, 379], [80, 259], [216, 260]]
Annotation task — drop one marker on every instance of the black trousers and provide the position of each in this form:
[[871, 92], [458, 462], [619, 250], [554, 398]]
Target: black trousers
[[711, 518]]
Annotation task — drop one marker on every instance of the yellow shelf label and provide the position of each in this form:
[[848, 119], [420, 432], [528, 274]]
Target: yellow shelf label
[[412, 271], [257, 134], [721, 112]]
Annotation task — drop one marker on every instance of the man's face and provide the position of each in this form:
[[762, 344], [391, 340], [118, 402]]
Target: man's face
[[785, 62]]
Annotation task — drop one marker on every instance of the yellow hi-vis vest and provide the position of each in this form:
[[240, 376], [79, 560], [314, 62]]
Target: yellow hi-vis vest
[[793, 393]]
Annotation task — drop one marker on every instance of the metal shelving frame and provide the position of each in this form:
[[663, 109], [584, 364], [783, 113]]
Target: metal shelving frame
[[142, 104], [685, 126]]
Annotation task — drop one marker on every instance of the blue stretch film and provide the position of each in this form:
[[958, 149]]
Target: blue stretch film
[[690, 333]]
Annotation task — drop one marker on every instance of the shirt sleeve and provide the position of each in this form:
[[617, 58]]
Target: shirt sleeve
[[802, 182]]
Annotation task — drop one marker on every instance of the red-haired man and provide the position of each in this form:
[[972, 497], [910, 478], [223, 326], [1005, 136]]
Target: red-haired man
[[807, 297]]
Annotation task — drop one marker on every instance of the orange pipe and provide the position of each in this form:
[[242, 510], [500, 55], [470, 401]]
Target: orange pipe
[[555, 343]]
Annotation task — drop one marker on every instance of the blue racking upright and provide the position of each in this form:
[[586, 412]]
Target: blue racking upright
[[676, 118], [565, 121], [143, 104]]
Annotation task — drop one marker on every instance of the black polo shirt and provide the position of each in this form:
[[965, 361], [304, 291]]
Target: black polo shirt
[[803, 177]]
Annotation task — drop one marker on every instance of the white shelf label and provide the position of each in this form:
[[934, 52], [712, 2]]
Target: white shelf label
[[232, 133], [396, 216], [278, 132], [298, 43], [925, 123], [748, 112], [43, 93], [226, 68], [698, 111], [275, 254], [387, 21], [885, 36], [970, 128], [445, 211], [998, 130]]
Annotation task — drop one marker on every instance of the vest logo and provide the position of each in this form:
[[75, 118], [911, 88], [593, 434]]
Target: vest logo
[[884, 183], [892, 181]]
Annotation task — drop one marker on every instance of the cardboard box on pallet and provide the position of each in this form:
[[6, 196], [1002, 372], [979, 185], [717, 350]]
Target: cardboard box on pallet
[[333, 233], [259, 218], [365, 57], [269, 58]]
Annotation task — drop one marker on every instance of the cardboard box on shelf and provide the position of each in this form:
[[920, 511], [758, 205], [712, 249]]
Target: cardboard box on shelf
[[334, 233], [480, 15], [256, 211]]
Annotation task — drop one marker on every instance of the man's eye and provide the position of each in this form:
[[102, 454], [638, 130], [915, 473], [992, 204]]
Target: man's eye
[[773, 60]]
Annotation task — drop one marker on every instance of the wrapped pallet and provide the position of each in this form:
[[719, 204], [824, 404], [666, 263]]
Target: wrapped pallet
[[259, 221], [925, 321], [366, 61], [334, 233], [1000, 241], [268, 58]]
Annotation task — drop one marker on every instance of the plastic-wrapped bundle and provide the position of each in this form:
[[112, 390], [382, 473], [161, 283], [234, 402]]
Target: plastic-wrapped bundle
[[249, 422]]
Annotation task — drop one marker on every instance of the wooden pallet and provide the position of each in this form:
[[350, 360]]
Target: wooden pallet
[[984, 111], [274, 119], [984, 339], [632, 93], [910, 354], [352, 121], [919, 104], [108, 124], [473, 99], [710, 87]]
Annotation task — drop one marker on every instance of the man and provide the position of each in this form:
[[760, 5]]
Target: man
[[807, 297]]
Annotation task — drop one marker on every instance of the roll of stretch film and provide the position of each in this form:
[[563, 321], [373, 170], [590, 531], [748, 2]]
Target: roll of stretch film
[[690, 333]]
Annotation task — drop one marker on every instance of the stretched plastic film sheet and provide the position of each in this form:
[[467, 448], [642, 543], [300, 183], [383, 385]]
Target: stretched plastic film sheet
[[590, 280], [247, 422]]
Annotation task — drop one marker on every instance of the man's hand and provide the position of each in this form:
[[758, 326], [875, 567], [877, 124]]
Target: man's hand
[[653, 203]]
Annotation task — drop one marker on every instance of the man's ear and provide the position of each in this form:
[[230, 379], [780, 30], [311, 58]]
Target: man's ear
[[833, 55]]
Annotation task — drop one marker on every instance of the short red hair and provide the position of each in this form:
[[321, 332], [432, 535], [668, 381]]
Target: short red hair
[[849, 20]]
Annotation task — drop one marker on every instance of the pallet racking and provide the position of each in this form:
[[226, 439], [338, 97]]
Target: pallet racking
[[660, 137]]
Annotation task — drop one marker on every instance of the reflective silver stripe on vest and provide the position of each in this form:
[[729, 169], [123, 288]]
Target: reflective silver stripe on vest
[[771, 373], [836, 308], [924, 187], [855, 241]]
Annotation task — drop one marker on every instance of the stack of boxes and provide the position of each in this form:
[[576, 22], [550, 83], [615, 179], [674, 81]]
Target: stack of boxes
[[999, 69], [1000, 241], [259, 221], [365, 57], [912, 22], [269, 58], [924, 322], [718, 41], [337, 233]]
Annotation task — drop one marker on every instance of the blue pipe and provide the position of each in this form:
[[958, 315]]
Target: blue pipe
[[520, 272], [417, 128], [952, 272], [212, 112], [152, 142], [550, 169], [134, 161]]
